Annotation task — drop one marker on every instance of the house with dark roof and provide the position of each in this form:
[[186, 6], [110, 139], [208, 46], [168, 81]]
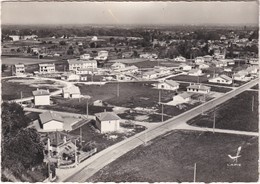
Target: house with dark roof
[[41, 97], [198, 88], [168, 85], [221, 79], [51, 121], [107, 122]]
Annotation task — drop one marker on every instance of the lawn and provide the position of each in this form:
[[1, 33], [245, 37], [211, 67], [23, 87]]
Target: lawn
[[255, 87], [90, 134], [171, 158], [188, 78], [26, 61], [12, 90], [235, 114]]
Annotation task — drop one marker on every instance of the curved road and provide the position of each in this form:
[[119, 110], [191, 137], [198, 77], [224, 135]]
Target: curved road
[[101, 159]]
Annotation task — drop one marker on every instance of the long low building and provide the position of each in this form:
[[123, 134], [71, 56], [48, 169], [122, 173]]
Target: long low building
[[76, 64]]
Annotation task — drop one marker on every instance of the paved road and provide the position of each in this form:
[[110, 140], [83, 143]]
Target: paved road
[[101, 159]]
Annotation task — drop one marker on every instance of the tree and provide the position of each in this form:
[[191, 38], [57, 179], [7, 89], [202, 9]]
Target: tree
[[4, 67], [62, 42]]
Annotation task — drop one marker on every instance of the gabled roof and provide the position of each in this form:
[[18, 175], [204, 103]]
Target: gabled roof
[[172, 83], [50, 115], [71, 90], [41, 92], [226, 77], [107, 116]]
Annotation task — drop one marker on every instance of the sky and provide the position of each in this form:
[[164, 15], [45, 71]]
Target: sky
[[167, 13]]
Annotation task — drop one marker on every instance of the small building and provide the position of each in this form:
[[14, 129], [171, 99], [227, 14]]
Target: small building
[[83, 78], [51, 121], [185, 67], [199, 60], [198, 88], [221, 79], [168, 85], [208, 58], [102, 55], [46, 68], [180, 59], [41, 97], [241, 76], [117, 66], [203, 66], [107, 122], [15, 37], [70, 77], [85, 56], [90, 71], [19, 69], [254, 61], [219, 64], [150, 75], [181, 98], [98, 103], [71, 92], [128, 69], [195, 72]]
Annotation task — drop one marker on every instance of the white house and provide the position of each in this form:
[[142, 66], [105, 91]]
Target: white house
[[46, 68], [41, 97], [15, 37], [162, 70], [107, 122], [102, 55], [185, 67], [221, 79], [219, 64], [203, 66], [149, 75], [228, 69], [208, 58], [198, 88], [254, 61], [70, 77], [195, 72], [85, 56], [128, 69], [117, 66], [51, 121], [241, 76], [168, 85], [76, 64], [199, 60], [71, 92], [19, 69], [181, 98], [180, 59]]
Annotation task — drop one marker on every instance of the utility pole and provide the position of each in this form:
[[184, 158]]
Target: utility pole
[[21, 94], [253, 99], [87, 108], [80, 134], [118, 89], [214, 121], [76, 152], [194, 174], [159, 97], [162, 112]]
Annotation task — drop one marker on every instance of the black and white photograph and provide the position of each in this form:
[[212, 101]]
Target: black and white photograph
[[120, 91]]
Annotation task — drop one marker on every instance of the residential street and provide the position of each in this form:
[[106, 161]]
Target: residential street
[[101, 159]]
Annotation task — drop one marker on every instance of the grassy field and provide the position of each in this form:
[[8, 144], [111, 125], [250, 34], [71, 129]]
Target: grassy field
[[26, 61], [255, 87], [171, 158], [90, 134], [235, 114], [12, 90], [188, 78]]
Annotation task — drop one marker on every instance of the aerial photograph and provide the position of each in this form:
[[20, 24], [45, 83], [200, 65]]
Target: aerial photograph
[[130, 91]]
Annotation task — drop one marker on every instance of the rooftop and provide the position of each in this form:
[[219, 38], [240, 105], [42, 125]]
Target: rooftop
[[41, 92], [107, 116], [172, 83], [198, 86], [50, 115]]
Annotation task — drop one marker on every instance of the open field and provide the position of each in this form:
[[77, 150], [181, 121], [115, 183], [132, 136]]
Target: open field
[[255, 87], [13, 87], [235, 114], [26, 61], [192, 79], [90, 134], [171, 158]]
